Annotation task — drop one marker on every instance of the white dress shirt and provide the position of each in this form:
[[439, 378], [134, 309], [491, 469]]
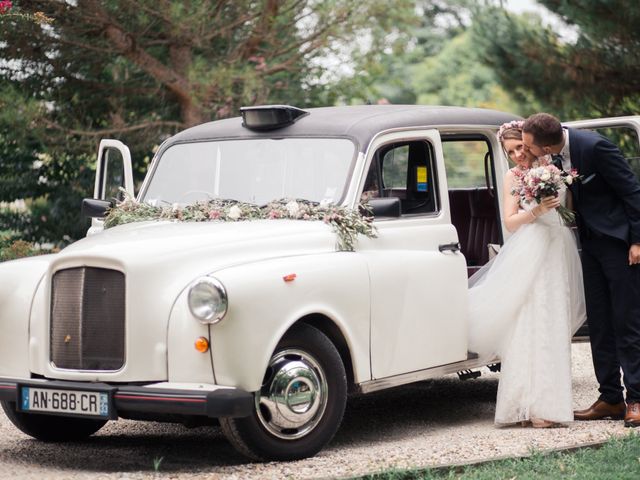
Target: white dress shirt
[[565, 152]]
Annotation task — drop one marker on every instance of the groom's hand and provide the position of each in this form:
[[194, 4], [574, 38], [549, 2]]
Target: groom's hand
[[634, 254]]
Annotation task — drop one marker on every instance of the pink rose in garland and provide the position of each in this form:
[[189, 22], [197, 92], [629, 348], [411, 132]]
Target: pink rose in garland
[[5, 6]]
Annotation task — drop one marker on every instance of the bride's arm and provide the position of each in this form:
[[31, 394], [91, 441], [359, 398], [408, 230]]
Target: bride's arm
[[513, 218]]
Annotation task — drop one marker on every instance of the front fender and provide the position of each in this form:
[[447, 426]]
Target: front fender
[[19, 280], [262, 307]]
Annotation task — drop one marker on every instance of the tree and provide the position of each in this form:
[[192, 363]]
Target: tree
[[434, 24], [139, 70], [455, 76], [442, 65], [597, 74]]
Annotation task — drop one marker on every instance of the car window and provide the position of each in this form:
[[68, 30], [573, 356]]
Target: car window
[[256, 171], [394, 167], [626, 138], [405, 171], [112, 175], [465, 162]]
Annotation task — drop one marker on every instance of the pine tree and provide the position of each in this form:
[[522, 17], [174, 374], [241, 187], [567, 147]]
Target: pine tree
[[598, 74]]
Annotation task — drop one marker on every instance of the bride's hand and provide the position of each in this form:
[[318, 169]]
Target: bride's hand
[[548, 203]]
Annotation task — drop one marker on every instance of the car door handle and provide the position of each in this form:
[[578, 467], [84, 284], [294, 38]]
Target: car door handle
[[449, 247]]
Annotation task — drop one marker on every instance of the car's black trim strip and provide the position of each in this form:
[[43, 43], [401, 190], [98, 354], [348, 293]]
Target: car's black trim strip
[[225, 402], [8, 391]]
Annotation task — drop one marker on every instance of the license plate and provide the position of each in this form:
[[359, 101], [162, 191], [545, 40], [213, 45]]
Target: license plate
[[95, 404]]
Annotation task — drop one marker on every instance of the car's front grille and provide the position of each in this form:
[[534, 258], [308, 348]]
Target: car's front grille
[[87, 319]]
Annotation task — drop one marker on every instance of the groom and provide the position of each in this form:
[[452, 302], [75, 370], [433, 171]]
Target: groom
[[608, 205]]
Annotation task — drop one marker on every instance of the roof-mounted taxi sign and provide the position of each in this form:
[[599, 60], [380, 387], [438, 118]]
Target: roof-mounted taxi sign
[[270, 117]]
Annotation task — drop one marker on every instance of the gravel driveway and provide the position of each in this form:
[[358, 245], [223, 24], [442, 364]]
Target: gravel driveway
[[431, 423]]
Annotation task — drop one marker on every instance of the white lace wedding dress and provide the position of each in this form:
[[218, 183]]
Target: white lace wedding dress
[[525, 306]]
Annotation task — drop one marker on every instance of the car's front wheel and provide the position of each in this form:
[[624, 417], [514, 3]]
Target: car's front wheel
[[51, 428], [301, 403]]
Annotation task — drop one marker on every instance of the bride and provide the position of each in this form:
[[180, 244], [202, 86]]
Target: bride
[[528, 301]]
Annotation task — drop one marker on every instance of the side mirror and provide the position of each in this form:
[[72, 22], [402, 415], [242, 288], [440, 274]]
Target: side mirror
[[385, 207], [94, 208]]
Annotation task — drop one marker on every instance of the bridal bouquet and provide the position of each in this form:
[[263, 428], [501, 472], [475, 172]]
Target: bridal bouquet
[[544, 180]]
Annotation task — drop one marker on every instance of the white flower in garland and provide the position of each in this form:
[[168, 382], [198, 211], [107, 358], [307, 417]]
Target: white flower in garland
[[234, 213], [293, 208]]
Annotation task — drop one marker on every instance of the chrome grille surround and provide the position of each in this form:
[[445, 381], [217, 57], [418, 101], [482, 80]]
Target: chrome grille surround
[[87, 329]]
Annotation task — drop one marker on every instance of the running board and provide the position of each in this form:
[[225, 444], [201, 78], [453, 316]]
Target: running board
[[420, 375]]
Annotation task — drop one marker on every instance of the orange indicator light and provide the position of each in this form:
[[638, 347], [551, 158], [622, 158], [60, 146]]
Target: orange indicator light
[[202, 344], [289, 278]]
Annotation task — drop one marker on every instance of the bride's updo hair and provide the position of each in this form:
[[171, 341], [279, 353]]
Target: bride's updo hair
[[510, 131]]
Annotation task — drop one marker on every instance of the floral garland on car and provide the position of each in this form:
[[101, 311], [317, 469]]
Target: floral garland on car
[[346, 223]]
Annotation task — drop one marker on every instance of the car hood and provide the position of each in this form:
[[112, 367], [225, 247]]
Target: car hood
[[211, 245]]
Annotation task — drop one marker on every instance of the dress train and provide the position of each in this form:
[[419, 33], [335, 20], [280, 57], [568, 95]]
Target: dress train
[[525, 306]]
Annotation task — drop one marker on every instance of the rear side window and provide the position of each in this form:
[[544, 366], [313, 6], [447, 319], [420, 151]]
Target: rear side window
[[626, 138], [465, 160]]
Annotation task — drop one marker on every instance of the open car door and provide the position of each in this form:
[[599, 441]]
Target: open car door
[[113, 173], [623, 132]]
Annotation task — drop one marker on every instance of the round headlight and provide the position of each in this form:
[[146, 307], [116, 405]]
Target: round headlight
[[208, 300]]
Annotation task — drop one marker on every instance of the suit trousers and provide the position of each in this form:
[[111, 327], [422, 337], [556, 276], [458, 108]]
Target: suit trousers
[[612, 291]]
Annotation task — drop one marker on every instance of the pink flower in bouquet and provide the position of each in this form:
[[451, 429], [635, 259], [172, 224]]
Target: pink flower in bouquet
[[5, 6], [544, 180]]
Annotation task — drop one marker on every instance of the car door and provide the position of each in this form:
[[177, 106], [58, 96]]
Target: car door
[[418, 277], [625, 133], [113, 173]]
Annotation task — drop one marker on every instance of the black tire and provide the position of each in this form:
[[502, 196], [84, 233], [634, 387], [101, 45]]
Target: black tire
[[50, 428], [260, 436]]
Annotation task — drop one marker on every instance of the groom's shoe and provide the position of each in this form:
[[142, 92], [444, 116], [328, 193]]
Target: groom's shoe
[[602, 409], [632, 418]]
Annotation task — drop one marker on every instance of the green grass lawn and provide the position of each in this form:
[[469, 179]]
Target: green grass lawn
[[618, 459]]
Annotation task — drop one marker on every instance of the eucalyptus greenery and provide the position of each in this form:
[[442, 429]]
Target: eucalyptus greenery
[[346, 223]]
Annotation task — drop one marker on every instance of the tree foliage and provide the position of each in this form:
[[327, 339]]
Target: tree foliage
[[434, 24], [139, 70], [443, 65], [456, 77], [598, 73]]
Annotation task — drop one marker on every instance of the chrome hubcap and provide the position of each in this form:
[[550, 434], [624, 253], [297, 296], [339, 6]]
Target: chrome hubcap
[[293, 396]]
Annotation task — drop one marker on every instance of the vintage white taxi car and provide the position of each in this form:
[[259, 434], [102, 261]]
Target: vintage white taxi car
[[264, 325]]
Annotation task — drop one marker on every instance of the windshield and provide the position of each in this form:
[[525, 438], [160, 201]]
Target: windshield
[[255, 171]]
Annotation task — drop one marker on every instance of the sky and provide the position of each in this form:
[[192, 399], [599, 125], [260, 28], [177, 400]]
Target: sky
[[523, 5], [566, 32]]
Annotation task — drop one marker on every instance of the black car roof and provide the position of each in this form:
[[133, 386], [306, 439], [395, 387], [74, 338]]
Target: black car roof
[[359, 122]]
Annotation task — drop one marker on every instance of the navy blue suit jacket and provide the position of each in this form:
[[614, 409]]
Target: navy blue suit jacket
[[609, 202]]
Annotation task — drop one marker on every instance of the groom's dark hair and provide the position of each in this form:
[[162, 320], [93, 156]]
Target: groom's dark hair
[[546, 129]]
